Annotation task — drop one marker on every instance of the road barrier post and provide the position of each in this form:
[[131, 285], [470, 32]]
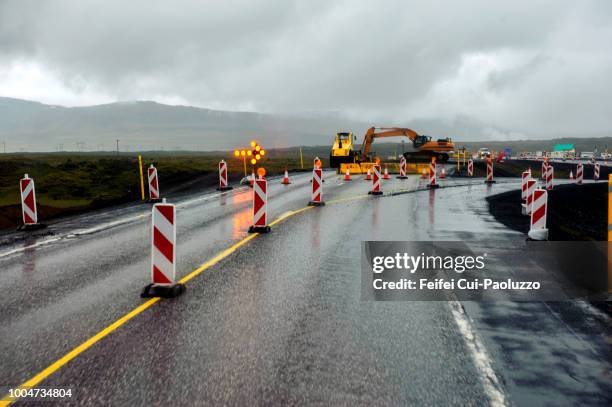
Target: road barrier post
[[223, 185], [489, 179], [470, 168], [525, 176], [402, 168], [376, 181], [432, 174], [260, 206], [153, 184], [142, 194], [544, 169], [579, 174], [596, 172], [550, 175], [537, 230], [317, 187], [531, 187], [286, 178], [29, 210], [163, 253], [347, 175]]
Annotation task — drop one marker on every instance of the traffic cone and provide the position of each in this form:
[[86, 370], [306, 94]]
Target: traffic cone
[[286, 178], [386, 174], [571, 174], [424, 173], [347, 175], [442, 173], [368, 176]]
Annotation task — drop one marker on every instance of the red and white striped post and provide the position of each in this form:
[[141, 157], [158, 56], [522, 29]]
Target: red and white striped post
[[544, 169], [432, 174], [525, 176], [368, 176], [402, 168], [489, 179], [317, 188], [550, 176], [153, 184], [537, 230], [163, 253], [223, 185], [596, 172], [376, 181], [579, 174], [260, 206], [470, 168], [29, 211], [531, 186]]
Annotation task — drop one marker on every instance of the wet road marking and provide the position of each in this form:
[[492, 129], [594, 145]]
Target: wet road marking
[[58, 364], [480, 357]]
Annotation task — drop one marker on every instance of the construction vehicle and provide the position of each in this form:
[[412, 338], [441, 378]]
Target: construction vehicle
[[342, 151], [424, 147]]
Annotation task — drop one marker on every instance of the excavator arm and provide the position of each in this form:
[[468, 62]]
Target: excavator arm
[[381, 132]]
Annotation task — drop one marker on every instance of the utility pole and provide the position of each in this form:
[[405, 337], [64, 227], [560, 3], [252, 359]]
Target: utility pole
[[4, 146], [117, 147]]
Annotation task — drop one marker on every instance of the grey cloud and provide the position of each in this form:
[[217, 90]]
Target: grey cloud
[[387, 61]]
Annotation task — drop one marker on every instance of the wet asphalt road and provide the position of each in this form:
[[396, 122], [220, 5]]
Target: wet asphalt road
[[280, 321]]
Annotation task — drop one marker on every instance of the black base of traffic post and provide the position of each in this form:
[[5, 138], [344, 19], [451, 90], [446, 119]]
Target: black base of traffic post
[[259, 229], [433, 186], [30, 228], [313, 203], [154, 200], [163, 291], [375, 193], [489, 182], [400, 177], [225, 188]]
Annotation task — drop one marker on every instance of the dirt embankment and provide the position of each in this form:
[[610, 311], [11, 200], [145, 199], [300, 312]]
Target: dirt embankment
[[575, 212]]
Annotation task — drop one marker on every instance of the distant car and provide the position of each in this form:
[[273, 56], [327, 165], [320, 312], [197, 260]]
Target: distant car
[[246, 181]]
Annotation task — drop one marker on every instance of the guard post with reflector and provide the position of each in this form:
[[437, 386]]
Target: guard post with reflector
[[153, 184], [402, 168], [550, 176], [29, 211], [489, 179], [531, 186], [432, 184], [223, 184], [537, 229], [596, 172], [260, 204], [376, 180], [317, 186], [470, 168], [163, 253], [579, 174]]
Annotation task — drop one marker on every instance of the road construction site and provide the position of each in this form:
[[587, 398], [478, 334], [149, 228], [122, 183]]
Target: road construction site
[[276, 318]]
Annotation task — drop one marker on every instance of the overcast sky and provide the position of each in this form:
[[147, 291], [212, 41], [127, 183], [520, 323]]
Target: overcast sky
[[536, 66]]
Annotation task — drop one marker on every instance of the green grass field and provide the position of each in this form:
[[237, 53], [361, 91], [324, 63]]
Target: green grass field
[[73, 182]]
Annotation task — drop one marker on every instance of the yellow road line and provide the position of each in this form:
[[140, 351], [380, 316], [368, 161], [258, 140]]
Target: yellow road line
[[7, 400]]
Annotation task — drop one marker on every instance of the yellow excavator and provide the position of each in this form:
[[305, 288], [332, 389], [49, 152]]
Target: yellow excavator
[[424, 147]]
